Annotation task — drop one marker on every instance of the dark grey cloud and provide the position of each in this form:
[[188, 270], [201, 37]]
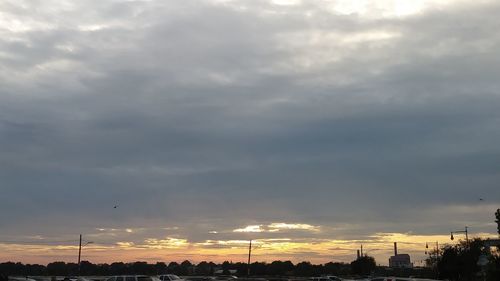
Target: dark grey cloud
[[213, 116]]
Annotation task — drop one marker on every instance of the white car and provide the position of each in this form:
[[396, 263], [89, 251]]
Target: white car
[[333, 278], [133, 278], [324, 278], [170, 277], [226, 277], [400, 279], [20, 279]]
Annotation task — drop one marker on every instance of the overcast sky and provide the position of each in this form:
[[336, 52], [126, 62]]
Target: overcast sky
[[311, 126]]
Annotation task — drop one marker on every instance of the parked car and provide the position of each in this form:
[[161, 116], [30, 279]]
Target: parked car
[[169, 277], [200, 278], [226, 277], [11, 278], [133, 278], [333, 278], [76, 279], [400, 279], [323, 278], [278, 279]]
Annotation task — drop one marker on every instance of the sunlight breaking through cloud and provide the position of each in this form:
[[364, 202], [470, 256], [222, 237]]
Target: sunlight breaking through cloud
[[250, 228], [277, 227], [292, 226], [167, 243]]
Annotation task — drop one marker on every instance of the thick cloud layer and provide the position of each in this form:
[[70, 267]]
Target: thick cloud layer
[[208, 116]]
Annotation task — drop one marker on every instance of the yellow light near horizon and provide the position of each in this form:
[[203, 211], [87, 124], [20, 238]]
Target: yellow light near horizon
[[379, 245]]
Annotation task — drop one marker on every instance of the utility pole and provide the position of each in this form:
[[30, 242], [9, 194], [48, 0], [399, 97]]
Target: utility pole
[[249, 255], [79, 254], [80, 246]]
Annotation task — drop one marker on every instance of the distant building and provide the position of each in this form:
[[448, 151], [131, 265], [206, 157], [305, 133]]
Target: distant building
[[400, 260]]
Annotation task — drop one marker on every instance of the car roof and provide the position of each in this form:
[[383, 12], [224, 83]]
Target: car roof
[[130, 276]]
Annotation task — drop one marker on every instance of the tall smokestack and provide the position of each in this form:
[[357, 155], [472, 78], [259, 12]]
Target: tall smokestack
[[358, 254], [395, 248]]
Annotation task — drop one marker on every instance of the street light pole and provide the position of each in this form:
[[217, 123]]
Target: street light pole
[[249, 255], [466, 231], [436, 254], [79, 254]]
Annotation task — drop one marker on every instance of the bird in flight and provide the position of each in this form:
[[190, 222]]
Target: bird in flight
[[116, 206]]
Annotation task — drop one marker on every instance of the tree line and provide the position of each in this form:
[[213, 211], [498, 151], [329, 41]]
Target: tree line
[[275, 268], [464, 261]]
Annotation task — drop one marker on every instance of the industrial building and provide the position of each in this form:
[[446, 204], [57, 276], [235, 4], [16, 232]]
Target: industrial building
[[399, 260]]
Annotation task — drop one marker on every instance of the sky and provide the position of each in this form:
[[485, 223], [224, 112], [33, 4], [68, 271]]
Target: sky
[[310, 127]]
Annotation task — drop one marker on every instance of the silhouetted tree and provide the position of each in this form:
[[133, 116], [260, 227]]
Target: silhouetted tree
[[363, 266], [459, 262], [493, 269], [88, 268], [103, 269], [304, 268], [280, 268], [336, 268], [139, 267], [35, 269], [160, 268], [57, 268], [185, 268], [241, 268], [226, 266], [203, 268], [11, 268], [258, 268], [173, 268], [497, 220], [118, 268], [212, 267]]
